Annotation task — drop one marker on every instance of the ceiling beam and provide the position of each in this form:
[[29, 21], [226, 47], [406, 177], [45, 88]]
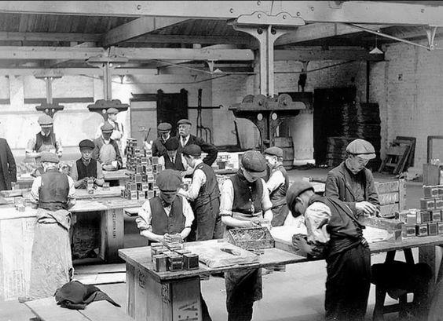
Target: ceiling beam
[[78, 71], [316, 54], [50, 36], [73, 53], [365, 12], [248, 41], [319, 31], [137, 28]]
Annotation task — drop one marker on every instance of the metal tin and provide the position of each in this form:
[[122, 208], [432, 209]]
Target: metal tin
[[433, 228], [427, 203], [424, 217], [190, 261], [175, 262], [438, 204], [160, 263], [431, 191], [440, 225], [422, 230], [408, 230], [436, 216]]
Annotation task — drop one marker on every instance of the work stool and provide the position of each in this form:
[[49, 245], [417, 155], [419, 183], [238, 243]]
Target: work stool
[[398, 279]]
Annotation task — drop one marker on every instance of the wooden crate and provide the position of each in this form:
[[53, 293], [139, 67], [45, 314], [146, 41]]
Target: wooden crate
[[392, 196]]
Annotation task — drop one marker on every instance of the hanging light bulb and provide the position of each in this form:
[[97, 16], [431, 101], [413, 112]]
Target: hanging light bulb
[[376, 50]]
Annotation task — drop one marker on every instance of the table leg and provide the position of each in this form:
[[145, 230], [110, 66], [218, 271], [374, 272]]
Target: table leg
[[111, 238]]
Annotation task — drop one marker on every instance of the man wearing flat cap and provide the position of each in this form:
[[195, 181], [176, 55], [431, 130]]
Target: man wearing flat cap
[[163, 133], [117, 132], [245, 202], [277, 184], [204, 195], [44, 141], [351, 182], [86, 167], [172, 159], [106, 150], [51, 265], [185, 138], [334, 233]]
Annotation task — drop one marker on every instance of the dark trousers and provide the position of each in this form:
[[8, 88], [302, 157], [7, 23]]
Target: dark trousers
[[348, 284], [243, 288], [208, 224]]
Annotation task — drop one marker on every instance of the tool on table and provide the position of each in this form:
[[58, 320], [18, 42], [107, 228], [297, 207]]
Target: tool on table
[[230, 251]]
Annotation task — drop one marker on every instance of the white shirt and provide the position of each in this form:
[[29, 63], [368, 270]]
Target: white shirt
[[161, 161], [184, 140], [199, 179], [275, 181], [143, 220], [227, 198], [314, 215]]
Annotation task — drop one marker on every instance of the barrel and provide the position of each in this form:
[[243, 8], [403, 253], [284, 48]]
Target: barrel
[[286, 144]]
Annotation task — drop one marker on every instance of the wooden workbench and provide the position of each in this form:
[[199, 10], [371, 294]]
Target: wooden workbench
[[161, 296]]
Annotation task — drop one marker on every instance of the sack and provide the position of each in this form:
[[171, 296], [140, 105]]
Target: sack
[[76, 296]]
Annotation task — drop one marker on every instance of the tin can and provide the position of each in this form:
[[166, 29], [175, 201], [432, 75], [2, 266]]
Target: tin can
[[190, 261], [160, 263]]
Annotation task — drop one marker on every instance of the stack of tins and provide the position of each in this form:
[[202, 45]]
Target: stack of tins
[[358, 121], [286, 144]]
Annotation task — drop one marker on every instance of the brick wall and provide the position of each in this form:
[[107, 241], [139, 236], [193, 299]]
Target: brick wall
[[409, 89]]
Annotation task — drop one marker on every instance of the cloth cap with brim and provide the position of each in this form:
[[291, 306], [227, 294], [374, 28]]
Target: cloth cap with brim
[[297, 188], [45, 121], [172, 144], [112, 110], [49, 157], [192, 150], [361, 148], [254, 163], [184, 121], [164, 127], [107, 128], [274, 151], [169, 180], [86, 143]]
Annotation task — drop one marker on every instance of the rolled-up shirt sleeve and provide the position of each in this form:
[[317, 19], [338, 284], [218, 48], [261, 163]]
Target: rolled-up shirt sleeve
[[143, 220], [35, 188], [199, 179], [226, 198], [315, 215], [187, 212], [275, 181], [266, 203]]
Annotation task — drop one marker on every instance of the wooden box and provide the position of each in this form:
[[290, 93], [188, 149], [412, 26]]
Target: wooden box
[[251, 238]]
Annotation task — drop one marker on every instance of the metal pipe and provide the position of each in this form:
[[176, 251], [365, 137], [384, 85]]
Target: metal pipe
[[387, 36]]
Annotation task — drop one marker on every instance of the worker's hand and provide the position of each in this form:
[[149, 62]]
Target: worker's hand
[[301, 245], [254, 223], [366, 207]]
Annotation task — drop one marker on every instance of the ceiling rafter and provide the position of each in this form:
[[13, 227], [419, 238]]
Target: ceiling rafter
[[365, 12]]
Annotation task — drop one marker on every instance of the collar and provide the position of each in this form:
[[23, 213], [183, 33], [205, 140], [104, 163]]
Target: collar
[[198, 161], [164, 140], [86, 163], [106, 141]]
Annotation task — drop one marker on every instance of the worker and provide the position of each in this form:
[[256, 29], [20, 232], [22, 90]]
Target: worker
[[277, 184], [86, 167], [8, 168], [185, 138], [334, 233], [351, 182], [106, 150], [204, 196], [45, 140], [51, 263], [163, 132], [168, 214], [172, 159], [245, 202], [118, 131]]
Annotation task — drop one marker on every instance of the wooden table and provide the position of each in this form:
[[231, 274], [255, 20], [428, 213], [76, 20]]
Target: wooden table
[[119, 175], [161, 296]]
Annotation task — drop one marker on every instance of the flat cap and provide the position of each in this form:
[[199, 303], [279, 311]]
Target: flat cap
[[168, 180], [254, 162], [172, 144], [361, 148], [192, 150], [164, 127], [297, 188], [49, 157], [184, 121], [274, 151], [86, 143], [107, 128], [45, 120], [112, 110]]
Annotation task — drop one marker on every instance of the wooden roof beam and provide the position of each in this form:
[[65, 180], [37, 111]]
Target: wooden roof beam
[[137, 28], [365, 12], [50, 36]]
